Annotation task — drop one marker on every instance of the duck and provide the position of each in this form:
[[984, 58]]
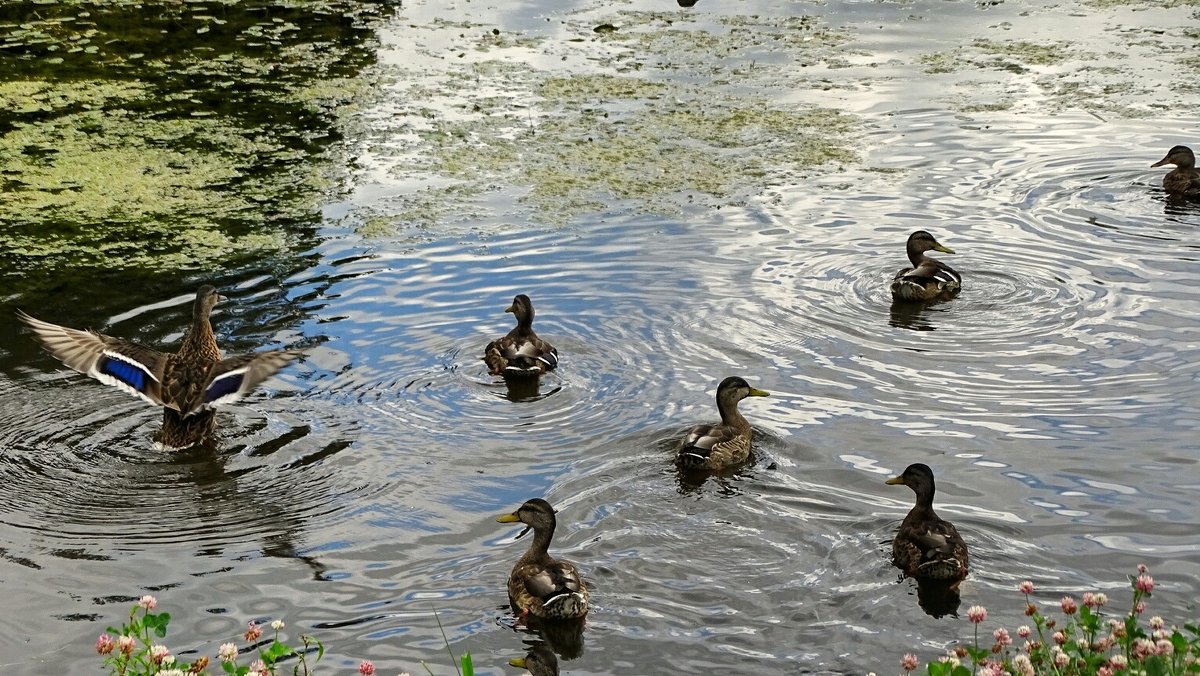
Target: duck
[[520, 353], [540, 660], [1183, 180], [714, 447], [927, 279], [187, 384], [539, 584], [926, 546]]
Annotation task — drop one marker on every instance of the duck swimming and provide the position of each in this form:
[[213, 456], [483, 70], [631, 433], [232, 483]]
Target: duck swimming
[[520, 353], [926, 546], [712, 447], [927, 279], [539, 584], [1183, 180]]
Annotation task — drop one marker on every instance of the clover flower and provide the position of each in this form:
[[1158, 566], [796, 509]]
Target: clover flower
[[253, 631], [228, 652], [1144, 583], [1143, 648], [1023, 631], [908, 662], [1068, 605], [105, 644], [148, 602], [1025, 587], [277, 624], [125, 644], [159, 653], [1157, 622], [1002, 637], [976, 614], [366, 668]]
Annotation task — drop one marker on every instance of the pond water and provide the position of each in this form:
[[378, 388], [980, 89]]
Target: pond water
[[686, 194]]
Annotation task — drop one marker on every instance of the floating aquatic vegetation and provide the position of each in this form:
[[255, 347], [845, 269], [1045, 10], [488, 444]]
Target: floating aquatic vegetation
[[121, 148], [627, 133], [1024, 52]]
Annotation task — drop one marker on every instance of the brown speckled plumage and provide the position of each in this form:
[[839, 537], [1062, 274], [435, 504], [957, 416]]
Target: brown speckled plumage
[[187, 384], [927, 546], [539, 584], [1183, 180], [521, 353], [928, 278], [712, 447]]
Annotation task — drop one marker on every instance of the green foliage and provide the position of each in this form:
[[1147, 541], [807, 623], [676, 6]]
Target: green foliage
[[134, 653], [1086, 642]]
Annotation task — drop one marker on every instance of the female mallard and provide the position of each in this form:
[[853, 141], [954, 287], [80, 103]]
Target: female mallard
[[927, 279], [540, 660], [187, 384], [927, 547], [1183, 180], [521, 352], [713, 447], [539, 584]]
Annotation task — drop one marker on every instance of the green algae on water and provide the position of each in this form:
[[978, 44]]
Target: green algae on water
[[125, 150]]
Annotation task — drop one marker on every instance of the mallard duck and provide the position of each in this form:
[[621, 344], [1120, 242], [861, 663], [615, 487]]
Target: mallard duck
[[187, 384], [520, 353], [713, 447], [1183, 180], [926, 546], [539, 661], [927, 279], [539, 584]]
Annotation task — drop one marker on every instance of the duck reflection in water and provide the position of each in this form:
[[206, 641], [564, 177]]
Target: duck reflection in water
[[724, 482], [215, 496], [563, 637], [914, 316], [539, 660], [938, 598], [519, 390]]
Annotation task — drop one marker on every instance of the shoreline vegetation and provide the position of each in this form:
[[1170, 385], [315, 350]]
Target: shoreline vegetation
[[1087, 641]]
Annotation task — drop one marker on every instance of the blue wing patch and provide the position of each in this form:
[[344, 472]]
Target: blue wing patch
[[224, 386], [125, 372]]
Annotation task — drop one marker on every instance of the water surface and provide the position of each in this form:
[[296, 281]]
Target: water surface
[[480, 154]]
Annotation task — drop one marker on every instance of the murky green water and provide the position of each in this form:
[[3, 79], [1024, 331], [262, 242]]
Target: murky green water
[[685, 194]]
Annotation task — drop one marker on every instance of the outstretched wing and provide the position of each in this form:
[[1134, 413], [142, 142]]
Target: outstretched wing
[[125, 365], [233, 377]]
